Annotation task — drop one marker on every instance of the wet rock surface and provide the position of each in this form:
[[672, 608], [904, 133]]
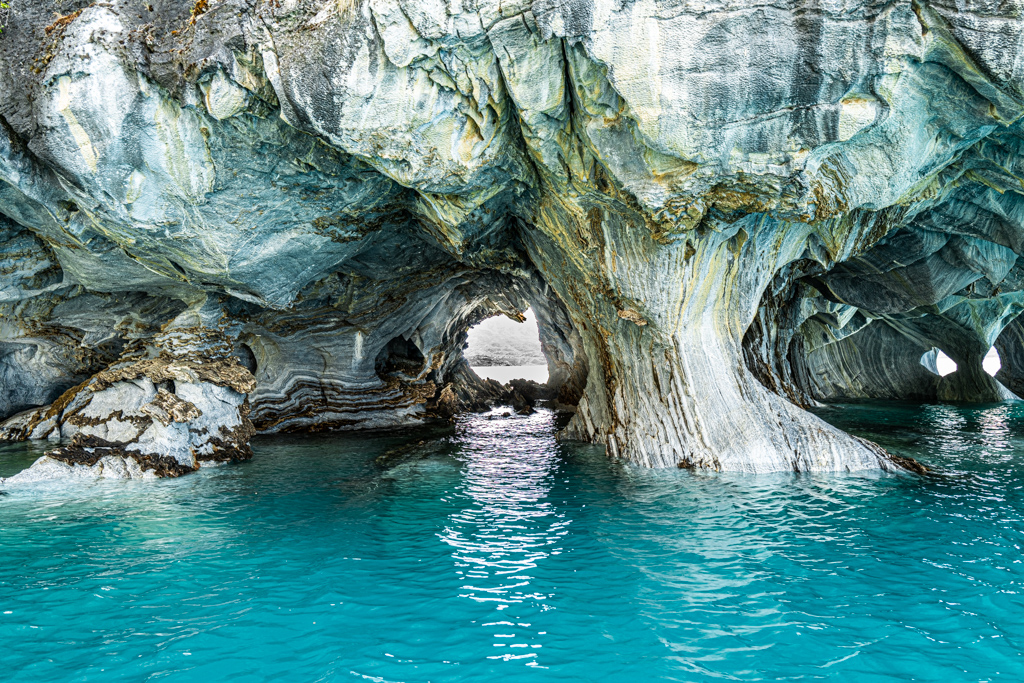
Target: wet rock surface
[[245, 216]]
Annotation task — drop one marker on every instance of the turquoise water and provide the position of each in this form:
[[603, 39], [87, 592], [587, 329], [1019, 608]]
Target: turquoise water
[[496, 554]]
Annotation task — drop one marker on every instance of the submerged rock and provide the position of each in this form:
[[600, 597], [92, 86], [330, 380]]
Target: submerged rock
[[49, 468], [249, 217]]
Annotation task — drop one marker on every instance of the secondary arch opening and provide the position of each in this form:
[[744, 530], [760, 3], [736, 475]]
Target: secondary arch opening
[[992, 362], [938, 362], [503, 349]]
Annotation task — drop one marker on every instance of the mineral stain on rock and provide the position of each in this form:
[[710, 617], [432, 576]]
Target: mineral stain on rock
[[241, 217]]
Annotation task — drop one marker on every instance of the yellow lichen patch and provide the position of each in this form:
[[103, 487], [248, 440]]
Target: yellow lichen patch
[[667, 170], [735, 245], [200, 8], [856, 114], [133, 188], [223, 97], [81, 138], [185, 153], [633, 317], [471, 137], [63, 22]]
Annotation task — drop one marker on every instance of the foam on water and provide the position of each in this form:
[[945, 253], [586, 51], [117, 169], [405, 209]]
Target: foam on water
[[496, 553]]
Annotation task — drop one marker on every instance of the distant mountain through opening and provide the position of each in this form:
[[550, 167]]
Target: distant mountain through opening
[[501, 348]]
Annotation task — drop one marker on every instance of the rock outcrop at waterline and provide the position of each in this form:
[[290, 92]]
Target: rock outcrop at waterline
[[250, 215]]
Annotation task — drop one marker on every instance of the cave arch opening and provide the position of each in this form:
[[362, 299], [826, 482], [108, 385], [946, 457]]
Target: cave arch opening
[[940, 364], [992, 362], [937, 362], [504, 349]]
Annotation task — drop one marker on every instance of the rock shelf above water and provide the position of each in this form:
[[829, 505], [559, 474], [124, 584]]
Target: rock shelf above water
[[247, 217]]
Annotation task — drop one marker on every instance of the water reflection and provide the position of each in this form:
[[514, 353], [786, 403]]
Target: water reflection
[[460, 563], [955, 432], [507, 526], [722, 588]]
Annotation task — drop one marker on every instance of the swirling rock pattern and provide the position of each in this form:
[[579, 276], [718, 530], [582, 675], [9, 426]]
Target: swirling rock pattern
[[285, 214]]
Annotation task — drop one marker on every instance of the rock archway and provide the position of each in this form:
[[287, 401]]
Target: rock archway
[[284, 216]]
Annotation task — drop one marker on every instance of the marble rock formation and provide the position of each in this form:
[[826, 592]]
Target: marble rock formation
[[236, 216]]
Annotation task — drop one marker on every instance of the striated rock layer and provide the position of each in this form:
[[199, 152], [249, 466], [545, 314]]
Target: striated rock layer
[[244, 216]]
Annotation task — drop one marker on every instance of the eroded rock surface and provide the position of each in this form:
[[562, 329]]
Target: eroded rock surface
[[248, 216]]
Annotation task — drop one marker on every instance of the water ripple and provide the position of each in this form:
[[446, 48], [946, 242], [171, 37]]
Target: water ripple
[[493, 551]]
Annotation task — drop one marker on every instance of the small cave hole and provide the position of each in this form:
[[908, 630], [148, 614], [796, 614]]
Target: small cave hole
[[503, 349], [246, 358], [400, 356], [991, 362]]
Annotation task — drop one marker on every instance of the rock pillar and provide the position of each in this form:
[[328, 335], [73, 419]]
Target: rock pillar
[[663, 323]]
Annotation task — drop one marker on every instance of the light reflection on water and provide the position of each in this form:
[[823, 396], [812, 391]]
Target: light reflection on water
[[494, 552], [508, 527]]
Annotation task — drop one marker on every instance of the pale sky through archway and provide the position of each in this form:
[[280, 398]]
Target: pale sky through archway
[[947, 365], [501, 342]]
